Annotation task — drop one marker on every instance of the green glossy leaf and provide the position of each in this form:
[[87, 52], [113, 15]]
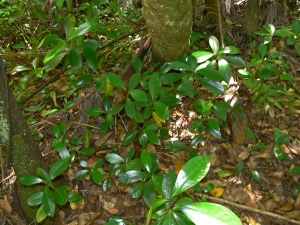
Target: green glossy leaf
[[280, 154], [296, 26], [41, 173], [170, 78], [95, 112], [191, 173], [58, 168], [197, 139], [149, 194], [115, 80], [137, 65], [176, 146], [284, 32], [69, 25], [91, 58], [34, 108], [74, 197], [147, 161], [81, 174], [129, 137], [202, 56], [214, 44], [239, 167], [106, 184], [214, 87], [35, 199], [143, 139], [251, 135], [153, 85], [138, 95], [203, 107], [221, 109], [51, 39], [69, 105], [75, 59], [113, 158], [30, 180], [177, 65], [234, 60], [132, 176], [161, 110], [96, 176], [168, 184], [87, 151], [116, 109], [295, 170], [280, 138], [214, 128], [137, 190], [134, 81], [81, 30], [152, 137], [209, 213], [59, 3], [229, 50], [54, 52], [169, 219], [255, 175], [20, 68], [48, 202], [129, 108], [62, 195], [55, 61], [225, 70], [262, 50], [40, 215]]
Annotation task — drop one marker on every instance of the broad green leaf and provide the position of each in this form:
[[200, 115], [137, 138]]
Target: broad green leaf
[[95, 112], [149, 195], [143, 139], [74, 197], [170, 100], [209, 213], [59, 3], [197, 139], [101, 85], [280, 154], [211, 74], [20, 68], [129, 137], [284, 32], [177, 65], [168, 184], [214, 87], [296, 26], [170, 78], [138, 95], [54, 52], [262, 50], [221, 109], [34, 108], [137, 190], [35, 199], [106, 184], [225, 70], [58, 168], [152, 137], [69, 105], [202, 56], [75, 59], [147, 161], [69, 25], [87, 151], [214, 128], [153, 85], [81, 30], [134, 81], [203, 107], [255, 175], [281, 138], [114, 80], [96, 176], [48, 202], [81, 174], [191, 173], [62, 195], [30, 180], [229, 50], [137, 65], [239, 167], [116, 109], [129, 108], [176, 146], [214, 44], [251, 135], [234, 60], [91, 58], [132, 176], [40, 215], [161, 110], [51, 64], [41, 173], [169, 219], [114, 158], [50, 39]]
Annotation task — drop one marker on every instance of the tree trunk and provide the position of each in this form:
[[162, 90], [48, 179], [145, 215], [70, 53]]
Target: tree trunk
[[252, 13], [170, 26], [211, 9], [24, 154]]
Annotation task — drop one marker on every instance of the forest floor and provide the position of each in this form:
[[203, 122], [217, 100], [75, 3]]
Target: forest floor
[[272, 200]]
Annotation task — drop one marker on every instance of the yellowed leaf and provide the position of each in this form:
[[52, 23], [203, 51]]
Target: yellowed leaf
[[179, 164], [113, 210], [217, 192], [5, 206], [109, 89], [157, 119], [43, 113]]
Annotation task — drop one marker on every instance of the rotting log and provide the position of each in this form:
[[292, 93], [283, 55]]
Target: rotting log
[[24, 154]]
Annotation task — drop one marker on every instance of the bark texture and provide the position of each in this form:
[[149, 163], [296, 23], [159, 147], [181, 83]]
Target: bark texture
[[170, 26], [24, 154], [252, 14]]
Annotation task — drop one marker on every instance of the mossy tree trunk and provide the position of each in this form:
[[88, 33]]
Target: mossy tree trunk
[[24, 154], [252, 14], [170, 26]]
